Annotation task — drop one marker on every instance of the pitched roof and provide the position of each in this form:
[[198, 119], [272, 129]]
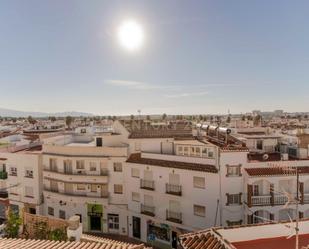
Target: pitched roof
[[207, 239], [136, 158], [48, 244], [273, 171]]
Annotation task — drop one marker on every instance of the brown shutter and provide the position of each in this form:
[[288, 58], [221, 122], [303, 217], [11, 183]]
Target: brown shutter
[[227, 199], [240, 202], [249, 195], [271, 216], [250, 219], [301, 215], [301, 190], [272, 195]]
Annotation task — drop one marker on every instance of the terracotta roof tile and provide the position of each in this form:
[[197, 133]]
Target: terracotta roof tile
[[136, 158], [273, 171]]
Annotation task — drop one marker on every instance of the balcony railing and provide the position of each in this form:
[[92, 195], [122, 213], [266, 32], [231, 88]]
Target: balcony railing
[[173, 189], [79, 172], [147, 184], [148, 210], [78, 194], [306, 198], [263, 200], [172, 216], [268, 200], [3, 175]]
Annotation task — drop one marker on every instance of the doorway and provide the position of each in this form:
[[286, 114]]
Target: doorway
[[136, 227], [95, 223], [174, 240]]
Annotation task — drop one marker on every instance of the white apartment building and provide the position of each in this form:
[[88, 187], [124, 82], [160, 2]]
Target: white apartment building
[[172, 190], [24, 178], [83, 175]]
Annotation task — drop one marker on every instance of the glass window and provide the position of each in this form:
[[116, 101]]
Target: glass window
[[117, 167], [117, 188], [94, 187], [93, 166], [62, 214], [135, 197], [113, 221], [29, 191], [198, 182], [13, 171], [233, 170], [29, 173], [199, 210], [80, 164], [50, 211], [81, 187], [233, 199], [135, 172]]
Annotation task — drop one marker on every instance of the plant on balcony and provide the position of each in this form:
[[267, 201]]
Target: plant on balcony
[[12, 225]]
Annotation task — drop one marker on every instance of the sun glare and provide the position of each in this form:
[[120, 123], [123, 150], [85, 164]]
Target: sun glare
[[130, 35]]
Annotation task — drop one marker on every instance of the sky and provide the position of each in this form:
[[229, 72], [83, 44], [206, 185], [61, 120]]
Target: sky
[[198, 57]]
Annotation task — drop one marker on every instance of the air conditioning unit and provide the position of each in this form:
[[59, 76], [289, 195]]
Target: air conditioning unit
[[284, 156]]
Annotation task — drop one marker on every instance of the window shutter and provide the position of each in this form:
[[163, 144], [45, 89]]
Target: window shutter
[[227, 199], [250, 219], [271, 216]]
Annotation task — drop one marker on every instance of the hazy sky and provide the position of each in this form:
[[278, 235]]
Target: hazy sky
[[198, 56]]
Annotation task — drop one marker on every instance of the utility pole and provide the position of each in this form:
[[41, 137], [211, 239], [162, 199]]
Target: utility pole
[[297, 215]]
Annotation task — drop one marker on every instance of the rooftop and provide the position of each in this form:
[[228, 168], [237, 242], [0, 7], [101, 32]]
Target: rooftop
[[273, 171], [136, 158]]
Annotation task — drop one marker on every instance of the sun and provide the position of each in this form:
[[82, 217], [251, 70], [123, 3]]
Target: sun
[[131, 35]]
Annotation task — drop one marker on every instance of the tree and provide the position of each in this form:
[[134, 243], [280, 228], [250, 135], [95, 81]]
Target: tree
[[148, 117], [228, 120], [243, 118], [12, 226], [31, 120], [52, 118], [211, 119], [164, 116], [68, 121], [257, 120], [132, 117], [58, 235]]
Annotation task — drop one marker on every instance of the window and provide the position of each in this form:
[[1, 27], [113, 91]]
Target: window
[[198, 182], [94, 187], [118, 189], [81, 187], [80, 218], [29, 173], [13, 171], [233, 199], [180, 150], [62, 214], [199, 210], [210, 153], [50, 211], [32, 210], [186, 151], [255, 190], [93, 166], [113, 221], [118, 167], [80, 164], [135, 197], [233, 170], [135, 172], [53, 164], [29, 192]]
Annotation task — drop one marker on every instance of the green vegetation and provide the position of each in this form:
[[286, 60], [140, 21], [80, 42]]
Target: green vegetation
[[12, 226]]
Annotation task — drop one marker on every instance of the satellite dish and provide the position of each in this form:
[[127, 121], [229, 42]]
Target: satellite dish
[[265, 157]]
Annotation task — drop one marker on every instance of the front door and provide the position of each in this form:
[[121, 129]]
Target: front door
[[136, 227], [95, 223], [174, 239]]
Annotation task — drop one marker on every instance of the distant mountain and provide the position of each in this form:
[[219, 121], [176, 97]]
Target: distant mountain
[[15, 113]]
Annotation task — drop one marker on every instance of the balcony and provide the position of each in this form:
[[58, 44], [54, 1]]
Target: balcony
[[147, 184], [148, 210], [173, 189], [77, 194], [78, 172], [269, 200], [262, 200], [175, 217], [3, 175]]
